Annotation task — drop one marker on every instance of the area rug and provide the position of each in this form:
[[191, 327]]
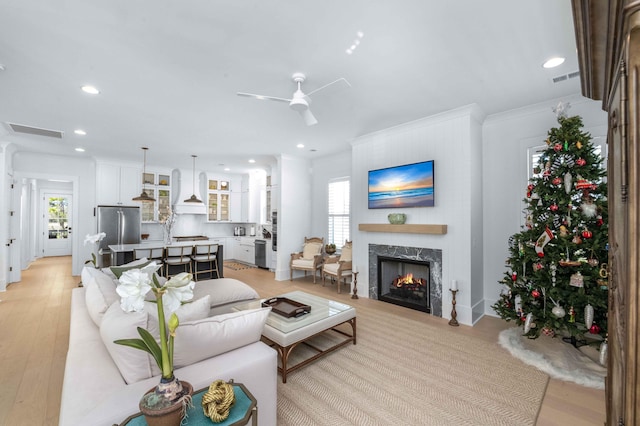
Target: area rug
[[558, 359], [237, 266], [405, 372]]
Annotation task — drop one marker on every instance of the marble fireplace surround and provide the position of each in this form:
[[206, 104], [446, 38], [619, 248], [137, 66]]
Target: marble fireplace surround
[[433, 256]]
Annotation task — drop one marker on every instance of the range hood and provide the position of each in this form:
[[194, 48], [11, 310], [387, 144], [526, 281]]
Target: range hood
[[182, 189]]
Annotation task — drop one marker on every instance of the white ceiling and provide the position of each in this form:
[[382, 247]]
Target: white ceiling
[[169, 71]]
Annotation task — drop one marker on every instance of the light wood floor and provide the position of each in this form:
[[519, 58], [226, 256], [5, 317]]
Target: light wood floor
[[34, 336]]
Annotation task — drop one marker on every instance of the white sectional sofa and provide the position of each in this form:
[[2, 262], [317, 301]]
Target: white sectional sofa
[[224, 346]]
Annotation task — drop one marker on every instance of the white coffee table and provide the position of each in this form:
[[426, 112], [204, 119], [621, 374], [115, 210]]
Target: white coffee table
[[286, 334]]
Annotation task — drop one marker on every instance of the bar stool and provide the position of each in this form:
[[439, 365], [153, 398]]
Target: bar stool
[[205, 253], [152, 253], [176, 256]]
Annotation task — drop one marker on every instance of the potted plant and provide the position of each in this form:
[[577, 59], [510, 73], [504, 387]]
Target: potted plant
[[171, 396], [330, 248]]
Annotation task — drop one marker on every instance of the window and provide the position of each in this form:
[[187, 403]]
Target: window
[[338, 211]]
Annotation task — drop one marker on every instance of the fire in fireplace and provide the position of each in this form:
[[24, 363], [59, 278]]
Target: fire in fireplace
[[404, 282]]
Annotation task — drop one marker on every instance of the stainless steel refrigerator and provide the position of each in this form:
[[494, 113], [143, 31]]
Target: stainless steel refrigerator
[[121, 224]]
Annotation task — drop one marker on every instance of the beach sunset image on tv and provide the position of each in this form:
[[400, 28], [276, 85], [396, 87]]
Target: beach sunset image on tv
[[410, 185]]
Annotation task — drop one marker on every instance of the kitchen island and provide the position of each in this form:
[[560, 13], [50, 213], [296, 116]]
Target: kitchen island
[[123, 253]]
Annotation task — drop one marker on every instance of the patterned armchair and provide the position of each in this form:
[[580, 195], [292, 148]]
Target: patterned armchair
[[309, 259], [338, 268]]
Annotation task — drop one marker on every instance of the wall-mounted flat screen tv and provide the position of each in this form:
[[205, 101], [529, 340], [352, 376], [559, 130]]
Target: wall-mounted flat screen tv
[[410, 185]]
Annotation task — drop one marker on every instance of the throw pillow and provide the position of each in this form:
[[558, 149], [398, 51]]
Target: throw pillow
[[310, 250], [198, 340], [345, 254], [223, 291], [191, 311], [136, 264], [100, 293], [134, 364]]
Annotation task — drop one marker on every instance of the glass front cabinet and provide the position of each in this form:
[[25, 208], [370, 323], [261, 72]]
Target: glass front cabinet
[[158, 186], [218, 195]]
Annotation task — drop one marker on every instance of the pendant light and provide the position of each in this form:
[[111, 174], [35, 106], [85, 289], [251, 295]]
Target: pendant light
[[144, 197], [193, 198]]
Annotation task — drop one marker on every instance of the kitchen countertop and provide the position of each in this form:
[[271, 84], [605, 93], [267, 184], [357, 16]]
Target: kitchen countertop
[[119, 248]]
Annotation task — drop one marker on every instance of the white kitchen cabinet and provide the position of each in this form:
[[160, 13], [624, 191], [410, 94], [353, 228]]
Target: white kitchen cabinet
[[117, 184], [246, 251], [231, 249]]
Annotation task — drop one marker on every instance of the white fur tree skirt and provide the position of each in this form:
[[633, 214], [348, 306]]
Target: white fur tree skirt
[[558, 359]]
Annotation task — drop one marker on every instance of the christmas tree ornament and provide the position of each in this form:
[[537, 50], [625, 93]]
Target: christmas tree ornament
[[572, 315], [568, 181], [535, 294], [538, 266], [579, 145], [514, 276], [557, 147], [599, 221], [556, 181], [548, 331], [593, 262], [542, 241], [582, 183], [554, 207], [520, 249], [563, 231], [527, 322], [587, 234], [566, 146], [553, 269], [581, 161], [594, 329], [536, 170], [576, 280], [604, 349], [576, 239], [588, 315], [558, 311], [588, 209], [561, 109]]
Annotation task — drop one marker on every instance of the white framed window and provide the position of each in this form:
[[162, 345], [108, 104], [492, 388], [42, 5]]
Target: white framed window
[[338, 211]]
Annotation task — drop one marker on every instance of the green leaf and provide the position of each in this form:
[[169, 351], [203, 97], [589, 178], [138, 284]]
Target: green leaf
[[134, 343], [152, 345]]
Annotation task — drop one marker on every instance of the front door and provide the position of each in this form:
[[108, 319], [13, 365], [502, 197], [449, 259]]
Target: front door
[[57, 224]]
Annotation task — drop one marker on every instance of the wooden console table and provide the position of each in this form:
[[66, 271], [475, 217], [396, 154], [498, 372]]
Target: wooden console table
[[406, 228]]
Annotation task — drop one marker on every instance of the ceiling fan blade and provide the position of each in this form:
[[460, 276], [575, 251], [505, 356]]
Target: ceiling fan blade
[[308, 117], [263, 97], [343, 82]]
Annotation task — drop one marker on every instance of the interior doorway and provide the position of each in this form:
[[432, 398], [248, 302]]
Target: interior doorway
[[57, 220]]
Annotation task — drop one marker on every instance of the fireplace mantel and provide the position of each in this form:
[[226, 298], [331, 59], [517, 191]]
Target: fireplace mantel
[[406, 228]]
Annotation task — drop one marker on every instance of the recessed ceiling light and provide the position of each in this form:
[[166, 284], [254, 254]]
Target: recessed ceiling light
[[252, 161], [300, 145], [2, 68], [79, 149], [80, 132], [553, 62], [226, 169], [90, 90]]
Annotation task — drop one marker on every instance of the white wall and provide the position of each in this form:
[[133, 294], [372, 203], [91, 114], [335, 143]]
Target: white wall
[[506, 138], [452, 139], [80, 171], [293, 179], [324, 170], [6, 176]]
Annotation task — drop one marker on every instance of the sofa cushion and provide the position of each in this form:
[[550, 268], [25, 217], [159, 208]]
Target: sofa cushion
[[100, 293], [202, 339], [223, 291], [302, 263], [134, 364], [310, 250], [136, 264], [190, 311]]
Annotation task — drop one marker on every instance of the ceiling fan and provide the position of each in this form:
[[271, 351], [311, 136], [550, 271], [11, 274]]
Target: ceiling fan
[[299, 101]]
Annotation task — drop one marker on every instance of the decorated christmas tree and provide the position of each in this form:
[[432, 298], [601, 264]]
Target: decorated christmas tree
[[557, 276]]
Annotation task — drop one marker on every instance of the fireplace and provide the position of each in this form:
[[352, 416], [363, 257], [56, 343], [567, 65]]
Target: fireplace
[[422, 263], [404, 282]]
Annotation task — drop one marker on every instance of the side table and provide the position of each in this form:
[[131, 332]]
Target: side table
[[245, 408]]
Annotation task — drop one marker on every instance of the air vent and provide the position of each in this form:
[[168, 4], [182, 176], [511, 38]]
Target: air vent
[[29, 130], [565, 77]]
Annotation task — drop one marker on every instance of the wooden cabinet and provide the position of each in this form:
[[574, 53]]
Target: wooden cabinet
[[608, 38], [117, 184]]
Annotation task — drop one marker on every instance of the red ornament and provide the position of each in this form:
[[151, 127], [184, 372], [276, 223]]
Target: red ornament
[[553, 207], [581, 161], [541, 254], [556, 181], [595, 329], [557, 147], [514, 276], [587, 234], [599, 221], [530, 187], [535, 294]]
